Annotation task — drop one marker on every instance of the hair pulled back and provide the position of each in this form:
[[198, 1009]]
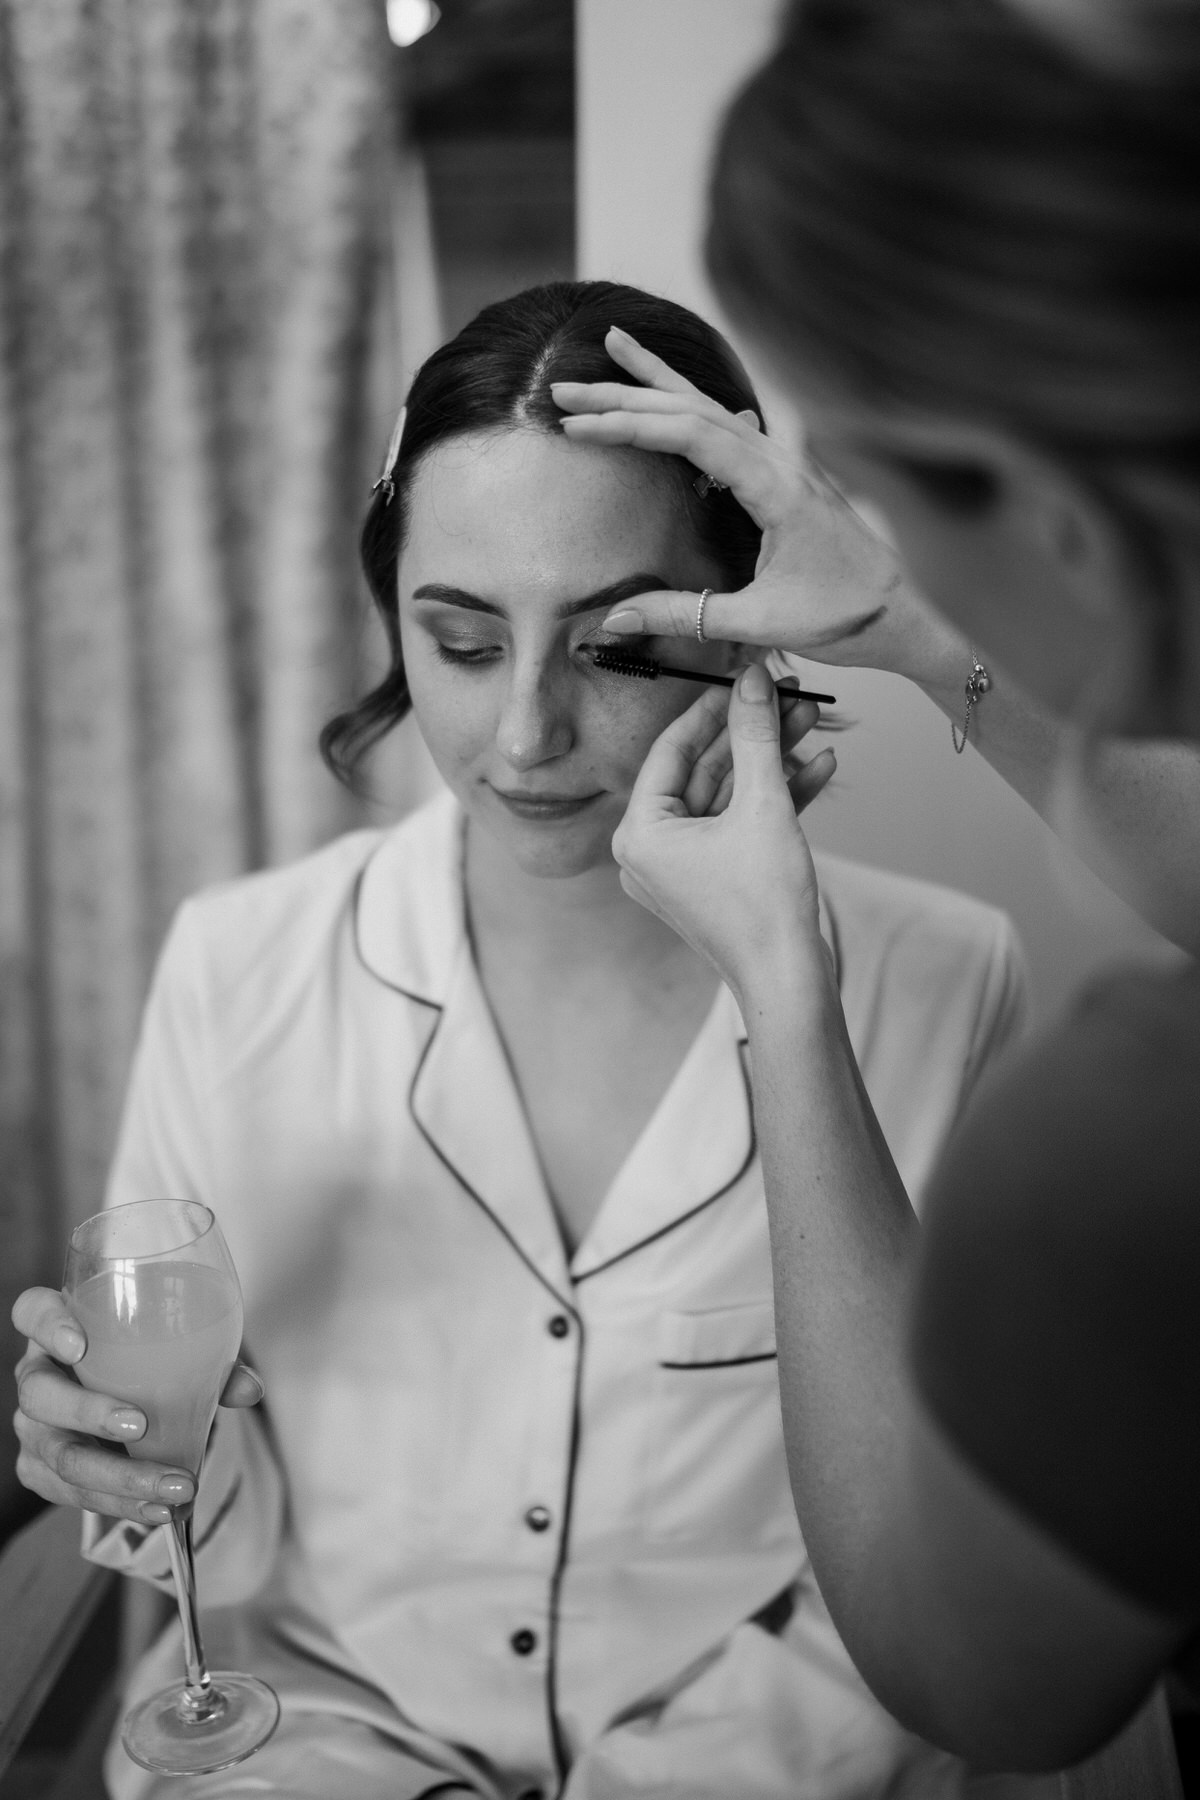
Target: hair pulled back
[[941, 206], [497, 372]]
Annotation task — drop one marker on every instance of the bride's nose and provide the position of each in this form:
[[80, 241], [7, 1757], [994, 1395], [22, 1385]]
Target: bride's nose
[[536, 723]]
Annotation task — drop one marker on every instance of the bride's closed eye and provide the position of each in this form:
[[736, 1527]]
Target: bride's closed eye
[[478, 653], [470, 656]]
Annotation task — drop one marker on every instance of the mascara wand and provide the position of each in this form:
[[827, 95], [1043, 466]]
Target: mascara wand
[[624, 662]]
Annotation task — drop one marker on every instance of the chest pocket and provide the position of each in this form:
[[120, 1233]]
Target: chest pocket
[[724, 1338], [717, 1474]]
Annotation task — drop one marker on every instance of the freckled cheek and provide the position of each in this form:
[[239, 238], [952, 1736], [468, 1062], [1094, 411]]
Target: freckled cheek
[[629, 726], [455, 715]]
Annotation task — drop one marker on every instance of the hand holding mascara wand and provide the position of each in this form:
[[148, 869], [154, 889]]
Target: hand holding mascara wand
[[624, 662]]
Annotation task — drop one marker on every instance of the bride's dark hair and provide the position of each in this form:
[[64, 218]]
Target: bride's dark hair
[[497, 372]]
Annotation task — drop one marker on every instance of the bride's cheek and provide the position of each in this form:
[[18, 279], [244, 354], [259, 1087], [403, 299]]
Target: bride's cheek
[[640, 740]]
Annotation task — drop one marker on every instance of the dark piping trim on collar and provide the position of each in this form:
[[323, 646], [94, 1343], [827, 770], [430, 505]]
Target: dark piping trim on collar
[[560, 1299], [394, 986], [700, 1207]]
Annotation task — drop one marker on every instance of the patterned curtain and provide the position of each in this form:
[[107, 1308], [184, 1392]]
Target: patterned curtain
[[195, 376]]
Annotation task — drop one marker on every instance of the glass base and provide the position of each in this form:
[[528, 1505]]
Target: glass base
[[167, 1734]]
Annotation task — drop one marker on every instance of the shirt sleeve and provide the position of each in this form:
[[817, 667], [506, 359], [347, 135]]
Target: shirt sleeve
[[162, 1150], [1055, 1325], [1003, 1012], [162, 1146]]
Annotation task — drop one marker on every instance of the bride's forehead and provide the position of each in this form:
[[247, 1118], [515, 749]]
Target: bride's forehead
[[500, 480]]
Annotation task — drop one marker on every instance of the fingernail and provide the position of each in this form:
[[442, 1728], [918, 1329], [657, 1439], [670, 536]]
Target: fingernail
[[155, 1515], [127, 1422], [626, 623], [69, 1343], [755, 685], [555, 385], [176, 1488], [615, 331], [258, 1381]]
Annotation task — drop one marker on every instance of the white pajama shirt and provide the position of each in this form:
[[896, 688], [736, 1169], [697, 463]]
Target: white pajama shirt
[[509, 1521]]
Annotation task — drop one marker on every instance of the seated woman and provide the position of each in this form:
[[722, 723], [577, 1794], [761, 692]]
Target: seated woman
[[515, 1518]]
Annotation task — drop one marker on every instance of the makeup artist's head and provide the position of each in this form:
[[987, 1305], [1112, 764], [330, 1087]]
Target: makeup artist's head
[[503, 547], [972, 250]]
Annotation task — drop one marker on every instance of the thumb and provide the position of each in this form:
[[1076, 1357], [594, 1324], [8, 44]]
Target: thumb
[[754, 735], [244, 1388]]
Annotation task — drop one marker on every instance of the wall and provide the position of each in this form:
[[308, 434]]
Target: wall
[[653, 76]]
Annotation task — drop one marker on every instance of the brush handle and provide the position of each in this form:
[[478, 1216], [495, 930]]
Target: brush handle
[[781, 687]]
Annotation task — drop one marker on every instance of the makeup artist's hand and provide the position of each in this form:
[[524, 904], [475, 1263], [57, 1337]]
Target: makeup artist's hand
[[71, 1439], [710, 783], [826, 586], [739, 887]]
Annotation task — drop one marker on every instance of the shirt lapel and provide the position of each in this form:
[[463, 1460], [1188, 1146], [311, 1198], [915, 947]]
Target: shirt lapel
[[409, 916], [698, 1143], [412, 935], [465, 1102]]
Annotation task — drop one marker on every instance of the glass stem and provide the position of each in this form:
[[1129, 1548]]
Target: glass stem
[[198, 1701]]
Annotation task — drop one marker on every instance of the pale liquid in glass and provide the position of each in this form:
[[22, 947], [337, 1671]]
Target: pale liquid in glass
[[164, 1337]]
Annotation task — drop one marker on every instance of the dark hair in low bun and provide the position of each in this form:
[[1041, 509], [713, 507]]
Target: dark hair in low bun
[[497, 371], [939, 206]]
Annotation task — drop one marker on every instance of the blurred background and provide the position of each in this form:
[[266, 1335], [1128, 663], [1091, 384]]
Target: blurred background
[[229, 231]]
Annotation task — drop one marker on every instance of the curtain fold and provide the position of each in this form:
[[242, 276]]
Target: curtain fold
[[194, 215]]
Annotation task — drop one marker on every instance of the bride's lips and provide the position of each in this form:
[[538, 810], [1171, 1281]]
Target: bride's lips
[[544, 806]]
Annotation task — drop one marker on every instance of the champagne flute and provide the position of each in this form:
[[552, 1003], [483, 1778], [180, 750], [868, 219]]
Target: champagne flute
[[154, 1288]]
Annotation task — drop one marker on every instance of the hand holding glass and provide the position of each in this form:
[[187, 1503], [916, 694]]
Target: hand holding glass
[[154, 1288]]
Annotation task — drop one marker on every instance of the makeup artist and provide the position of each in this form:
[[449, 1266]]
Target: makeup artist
[[966, 234]]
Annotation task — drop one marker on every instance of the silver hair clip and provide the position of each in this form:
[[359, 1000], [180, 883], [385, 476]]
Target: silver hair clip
[[389, 462], [708, 484]]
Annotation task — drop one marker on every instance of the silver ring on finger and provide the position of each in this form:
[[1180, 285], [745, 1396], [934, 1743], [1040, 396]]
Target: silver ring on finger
[[700, 616], [708, 484]]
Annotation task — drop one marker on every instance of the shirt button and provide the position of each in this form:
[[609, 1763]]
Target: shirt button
[[559, 1325], [523, 1641], [538, 1519]]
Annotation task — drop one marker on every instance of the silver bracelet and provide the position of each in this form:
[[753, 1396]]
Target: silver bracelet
[[978, 684]]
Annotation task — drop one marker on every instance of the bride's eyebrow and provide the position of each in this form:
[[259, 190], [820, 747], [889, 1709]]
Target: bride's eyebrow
[[626, 589]]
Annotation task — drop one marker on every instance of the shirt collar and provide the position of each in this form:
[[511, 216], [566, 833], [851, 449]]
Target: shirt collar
[[411, 932], [412, 935], [410, 912], [698, 1145]]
